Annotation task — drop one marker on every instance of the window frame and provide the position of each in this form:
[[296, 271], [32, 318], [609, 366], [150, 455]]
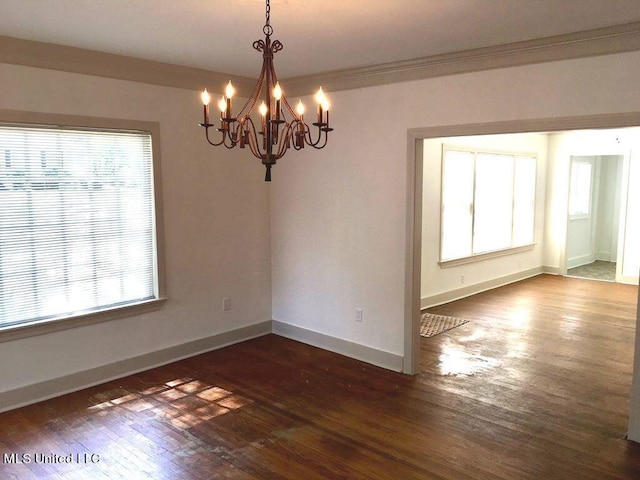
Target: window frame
[[476, 257], [49, 120]]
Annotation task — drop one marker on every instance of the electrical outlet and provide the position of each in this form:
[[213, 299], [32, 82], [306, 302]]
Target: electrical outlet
[[359, 315], [226, 304], [462, 278]]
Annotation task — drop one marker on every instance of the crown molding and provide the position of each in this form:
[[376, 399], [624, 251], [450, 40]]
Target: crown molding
[[90, 62], [588, 43]]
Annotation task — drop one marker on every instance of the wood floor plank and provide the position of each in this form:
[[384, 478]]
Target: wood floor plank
[[535, 386]]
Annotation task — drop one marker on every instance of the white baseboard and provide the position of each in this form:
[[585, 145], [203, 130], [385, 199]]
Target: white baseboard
[[94, 376], [371, 355], [457, 294], [604, 256], [581, 260], [552, 270]]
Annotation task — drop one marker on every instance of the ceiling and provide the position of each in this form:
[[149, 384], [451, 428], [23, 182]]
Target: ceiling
[[318, 35]]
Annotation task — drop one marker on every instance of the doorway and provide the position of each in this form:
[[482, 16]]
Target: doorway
[[594, 222], [414, 233]]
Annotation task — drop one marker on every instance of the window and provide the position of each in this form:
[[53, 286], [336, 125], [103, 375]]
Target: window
[[580, 188], [77, 222], [487, 202]]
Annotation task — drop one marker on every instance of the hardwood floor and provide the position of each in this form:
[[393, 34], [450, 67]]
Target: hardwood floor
[[535, 386]]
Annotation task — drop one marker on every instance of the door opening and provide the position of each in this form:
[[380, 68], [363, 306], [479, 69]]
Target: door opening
[[594, 222]]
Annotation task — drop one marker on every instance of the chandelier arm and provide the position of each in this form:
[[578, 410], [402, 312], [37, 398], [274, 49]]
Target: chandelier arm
[[308, 138], [285, 138], [255, 94], [253, 139], [209, 140], [317, 145], [288, 108], [274, 76]]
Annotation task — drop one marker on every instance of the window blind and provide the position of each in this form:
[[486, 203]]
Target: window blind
[[77, 222]]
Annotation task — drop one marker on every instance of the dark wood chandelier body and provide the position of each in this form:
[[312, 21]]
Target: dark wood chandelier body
[[275, 127]]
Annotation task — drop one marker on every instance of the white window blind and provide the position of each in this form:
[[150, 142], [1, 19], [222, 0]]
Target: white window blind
[[77, 222]]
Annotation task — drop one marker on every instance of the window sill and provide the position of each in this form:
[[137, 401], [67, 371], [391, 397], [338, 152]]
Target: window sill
[[580, 216], [486, 256], [15, 332]]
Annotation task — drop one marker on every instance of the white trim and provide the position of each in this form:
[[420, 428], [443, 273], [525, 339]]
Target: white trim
[[55, 387], [580, 260], [552, 270], [588, 43], [486, 256], [371, 355], [413, 254], [31, 329], [457, 294]]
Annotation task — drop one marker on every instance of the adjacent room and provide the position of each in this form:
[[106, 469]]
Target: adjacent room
[[509, 206], [221, 222]]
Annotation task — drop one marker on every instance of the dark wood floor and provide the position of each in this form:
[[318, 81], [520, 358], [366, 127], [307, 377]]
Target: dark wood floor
[[535, 386]]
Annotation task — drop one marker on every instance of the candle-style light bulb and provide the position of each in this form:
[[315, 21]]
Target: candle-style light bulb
[[206, 98], [300, 108], [277, 94], [229, 91], [321, 99], [277, 91], [325, 104], [222, 104], [263, 108]]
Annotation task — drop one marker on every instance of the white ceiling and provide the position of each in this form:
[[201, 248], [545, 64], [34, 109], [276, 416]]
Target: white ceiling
[[318, 35]]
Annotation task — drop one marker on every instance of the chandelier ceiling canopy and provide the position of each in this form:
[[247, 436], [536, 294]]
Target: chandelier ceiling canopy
[[272, 127]]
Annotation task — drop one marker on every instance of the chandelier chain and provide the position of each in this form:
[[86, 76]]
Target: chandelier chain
[[267, 29]]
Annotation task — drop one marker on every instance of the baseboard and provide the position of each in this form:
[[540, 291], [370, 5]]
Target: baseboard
[[552, 270], [604, 256], [581, 260], [457, 294], [94, 376], [371, 355]]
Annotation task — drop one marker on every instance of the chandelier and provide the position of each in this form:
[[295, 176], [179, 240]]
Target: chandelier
[[275, 127]]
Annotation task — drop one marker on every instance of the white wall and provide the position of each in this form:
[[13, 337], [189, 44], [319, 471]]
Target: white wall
[[437, 280], [339, 215], [217, 229]]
